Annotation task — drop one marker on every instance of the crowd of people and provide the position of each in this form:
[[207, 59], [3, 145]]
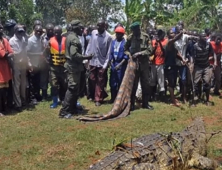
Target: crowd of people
[[76, 64]]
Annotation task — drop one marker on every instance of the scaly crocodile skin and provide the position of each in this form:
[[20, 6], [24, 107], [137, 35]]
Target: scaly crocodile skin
[[176, 151], [121, 106]]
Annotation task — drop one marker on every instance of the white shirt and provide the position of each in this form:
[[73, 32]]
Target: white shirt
[[35, 46], [99, 45], [82, 41], [181, 45], [19, 49]]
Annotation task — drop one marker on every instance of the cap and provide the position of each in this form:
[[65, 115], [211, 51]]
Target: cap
[[75, 23], [10, 23], [37, 22], [159, 31], [19, 28], [134, 24], [120, 30], [202, 33]]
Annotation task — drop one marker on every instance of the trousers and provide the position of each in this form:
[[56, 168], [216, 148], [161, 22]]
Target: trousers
[[142, 75], [71, 96], [19, 81], [97, 80], [58, 81]]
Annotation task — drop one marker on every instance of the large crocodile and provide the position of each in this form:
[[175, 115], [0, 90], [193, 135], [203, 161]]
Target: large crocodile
[[175, 151], [121, 106]]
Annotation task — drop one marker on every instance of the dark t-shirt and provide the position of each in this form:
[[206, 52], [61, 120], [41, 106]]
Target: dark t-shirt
[[201, 54], [190, 49], [170, 55]]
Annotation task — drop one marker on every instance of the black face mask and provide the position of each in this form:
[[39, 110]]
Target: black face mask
[[50, 34], [58, 37], [203, 39], [1, 34]]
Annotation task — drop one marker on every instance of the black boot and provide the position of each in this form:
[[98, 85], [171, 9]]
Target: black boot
[[145, 103], [44, 95], [113, 95], [162, 96], [153, 93], [132, 107]]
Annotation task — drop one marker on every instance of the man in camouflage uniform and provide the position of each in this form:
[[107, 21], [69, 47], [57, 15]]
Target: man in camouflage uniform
[[138, 45], [74, 67]]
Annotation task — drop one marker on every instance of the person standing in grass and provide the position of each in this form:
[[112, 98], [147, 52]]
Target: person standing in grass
[[99, 44], [5, 72], [20, 63], [157, 66], [44, 63], [56, 53], [118, 60], [217, 47], [35, 53], [202, 53], [139, 46], [74, 67], [170, 64], [9, 28]]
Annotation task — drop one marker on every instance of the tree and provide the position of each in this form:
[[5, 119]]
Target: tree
[[92, 10], [3, 10], [196, 14], [200, 14], [86, 12], [21, 10], [53, 11], [134, 10], [110, 10]]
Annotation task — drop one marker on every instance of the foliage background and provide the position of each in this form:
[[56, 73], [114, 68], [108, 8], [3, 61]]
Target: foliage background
[[197, 14]]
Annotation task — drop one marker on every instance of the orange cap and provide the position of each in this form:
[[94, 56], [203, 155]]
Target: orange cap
[[120, 30]]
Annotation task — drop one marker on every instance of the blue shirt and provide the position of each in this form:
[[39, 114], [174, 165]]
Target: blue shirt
[[190, 48], [116, 58]]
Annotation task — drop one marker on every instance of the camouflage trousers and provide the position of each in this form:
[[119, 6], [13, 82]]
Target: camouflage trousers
[[58, 80]]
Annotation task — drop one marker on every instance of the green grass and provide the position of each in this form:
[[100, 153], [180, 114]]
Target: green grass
[[39, 140]]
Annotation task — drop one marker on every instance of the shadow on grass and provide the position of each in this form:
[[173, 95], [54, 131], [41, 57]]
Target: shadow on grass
[[83, 112], [93, 113], [13, 112]]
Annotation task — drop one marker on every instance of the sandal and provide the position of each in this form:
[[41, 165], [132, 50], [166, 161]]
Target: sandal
[[176, 104]]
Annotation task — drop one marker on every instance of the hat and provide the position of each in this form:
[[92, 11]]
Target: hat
[[37, 22], [10, 23], [134, 24], [75, 23], [19, 28], [120, 29], [159, 31]]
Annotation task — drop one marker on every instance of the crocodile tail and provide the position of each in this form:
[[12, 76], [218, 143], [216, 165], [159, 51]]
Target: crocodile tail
[[121, 106]]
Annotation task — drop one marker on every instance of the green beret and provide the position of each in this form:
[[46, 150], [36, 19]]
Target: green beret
[[75, 23], [134, 24]]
